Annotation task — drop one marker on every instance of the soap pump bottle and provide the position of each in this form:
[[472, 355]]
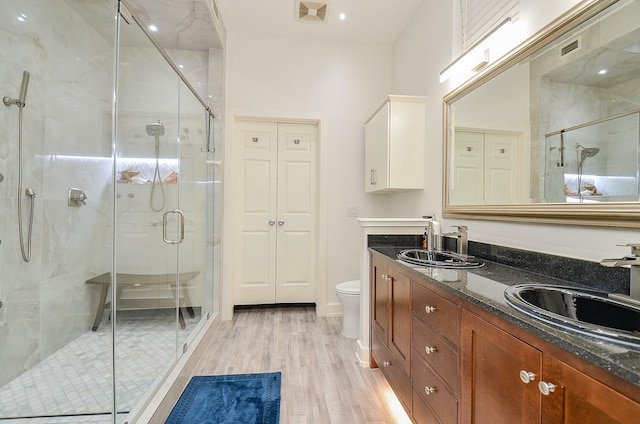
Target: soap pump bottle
[[424, 241]]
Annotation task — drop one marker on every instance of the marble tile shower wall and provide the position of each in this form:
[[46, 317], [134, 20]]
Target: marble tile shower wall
[[67, 142], [66, 129]]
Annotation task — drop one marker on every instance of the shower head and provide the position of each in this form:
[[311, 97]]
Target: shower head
[[587, 152], [155, 129]]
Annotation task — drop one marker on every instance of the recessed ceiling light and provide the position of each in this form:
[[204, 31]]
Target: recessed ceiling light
[[153, 28], [181, 66], [602, 71], [342, 16], [22, 17]]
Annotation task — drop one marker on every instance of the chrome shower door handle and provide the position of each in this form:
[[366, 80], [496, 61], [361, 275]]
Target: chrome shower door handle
[[164, 226]]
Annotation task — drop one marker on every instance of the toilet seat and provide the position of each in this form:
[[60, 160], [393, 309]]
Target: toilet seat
[[349, 287]]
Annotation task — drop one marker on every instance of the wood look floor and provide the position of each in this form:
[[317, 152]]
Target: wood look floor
[[321, 379]]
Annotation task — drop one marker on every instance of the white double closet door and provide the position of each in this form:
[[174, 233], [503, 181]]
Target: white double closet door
[[274, 257]]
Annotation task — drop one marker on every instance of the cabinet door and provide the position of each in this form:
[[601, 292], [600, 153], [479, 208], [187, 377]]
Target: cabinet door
[[492, 391], [579, 399], [400, 325], [379, 298], [376, 136]]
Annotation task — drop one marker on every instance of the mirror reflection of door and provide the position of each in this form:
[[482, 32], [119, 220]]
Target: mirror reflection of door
[[486, 167]]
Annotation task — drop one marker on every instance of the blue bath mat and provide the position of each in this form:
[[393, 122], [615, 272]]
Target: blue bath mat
[[235, 398]]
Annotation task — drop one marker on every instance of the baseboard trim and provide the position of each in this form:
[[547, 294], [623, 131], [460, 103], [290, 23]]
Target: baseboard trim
[[363, 354], [333, 309]]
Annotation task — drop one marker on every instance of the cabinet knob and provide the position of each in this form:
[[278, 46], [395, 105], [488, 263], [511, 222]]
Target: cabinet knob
[[429, 390], [386, 363], [527, 376], [429, 350], [546, 388], [429, 309], [272, 222]]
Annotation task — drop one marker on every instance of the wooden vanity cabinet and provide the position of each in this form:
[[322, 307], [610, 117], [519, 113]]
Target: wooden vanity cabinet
[[452, 362], [579, 399], [507, 380], [435, 361], [492, 361], [391, 326]]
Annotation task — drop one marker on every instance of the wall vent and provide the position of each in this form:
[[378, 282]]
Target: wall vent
[[311, 11], [571, 47]]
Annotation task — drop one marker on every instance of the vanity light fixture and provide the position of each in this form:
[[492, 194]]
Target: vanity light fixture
[[497, 42]]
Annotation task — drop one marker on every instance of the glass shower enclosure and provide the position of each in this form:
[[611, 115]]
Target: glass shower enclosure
[[117, 149]]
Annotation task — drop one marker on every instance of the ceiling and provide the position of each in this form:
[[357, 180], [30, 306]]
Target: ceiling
[[188, 24], [367, 21]]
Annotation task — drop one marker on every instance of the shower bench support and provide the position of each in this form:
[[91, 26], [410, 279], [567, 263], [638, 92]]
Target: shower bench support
[[123, 281]]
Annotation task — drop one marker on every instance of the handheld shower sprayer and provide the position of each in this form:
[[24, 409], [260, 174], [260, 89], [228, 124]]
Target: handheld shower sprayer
[[156, 129], [25, 247], [20, 101]]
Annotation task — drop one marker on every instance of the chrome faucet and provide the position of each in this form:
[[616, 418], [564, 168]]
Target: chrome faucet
[[633, 262], [462, 243]]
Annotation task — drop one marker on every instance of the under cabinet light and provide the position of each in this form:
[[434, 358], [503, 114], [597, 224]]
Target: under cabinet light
[[497, 41]]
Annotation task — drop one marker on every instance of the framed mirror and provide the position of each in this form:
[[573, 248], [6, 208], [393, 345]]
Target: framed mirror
[[550, 133]]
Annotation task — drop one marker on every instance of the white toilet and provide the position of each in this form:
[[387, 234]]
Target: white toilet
[[349, 296]]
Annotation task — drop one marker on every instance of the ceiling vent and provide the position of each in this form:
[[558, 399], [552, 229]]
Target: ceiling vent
[[570, 47], [311, 11]]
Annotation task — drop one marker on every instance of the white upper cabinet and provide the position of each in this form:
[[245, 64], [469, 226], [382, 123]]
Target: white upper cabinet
[[394, 145]]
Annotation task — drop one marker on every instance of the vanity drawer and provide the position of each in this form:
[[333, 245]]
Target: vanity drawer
[[392, 370], [435, 352], [439, 314], [433, 392], [421, 412]]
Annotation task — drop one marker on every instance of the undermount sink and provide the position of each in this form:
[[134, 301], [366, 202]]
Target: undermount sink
[[438, 259], [587, 311]]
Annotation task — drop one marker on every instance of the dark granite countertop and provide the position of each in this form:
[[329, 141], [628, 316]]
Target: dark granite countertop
[[483, 287]]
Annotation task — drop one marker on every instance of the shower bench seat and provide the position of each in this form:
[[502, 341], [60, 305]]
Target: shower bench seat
[[124, 281]]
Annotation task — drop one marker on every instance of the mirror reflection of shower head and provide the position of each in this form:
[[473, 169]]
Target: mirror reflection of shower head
[[587, 152], [155, 129]]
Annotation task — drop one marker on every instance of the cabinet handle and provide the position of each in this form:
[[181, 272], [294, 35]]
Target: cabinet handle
[[546, 388], [429, 350], [373, 176], [386, 363], [429, 390], [527, 376], [429, 309]]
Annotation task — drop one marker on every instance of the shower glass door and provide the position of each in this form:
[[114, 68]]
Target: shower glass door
[[148, 224]]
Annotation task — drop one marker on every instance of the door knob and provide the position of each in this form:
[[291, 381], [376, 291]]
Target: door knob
[[281, 223]]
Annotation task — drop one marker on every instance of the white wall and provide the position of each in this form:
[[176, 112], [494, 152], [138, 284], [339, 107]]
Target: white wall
[[339, 84], [419, 54]]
